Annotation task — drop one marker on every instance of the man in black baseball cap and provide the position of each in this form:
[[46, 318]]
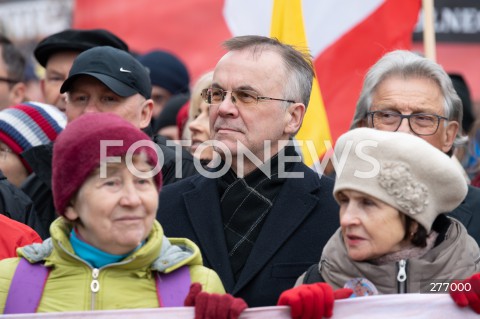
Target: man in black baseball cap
[[57, 52], [105, 79], [117, 69]]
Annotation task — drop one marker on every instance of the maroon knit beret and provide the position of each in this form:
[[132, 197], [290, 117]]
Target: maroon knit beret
[[76, 152]]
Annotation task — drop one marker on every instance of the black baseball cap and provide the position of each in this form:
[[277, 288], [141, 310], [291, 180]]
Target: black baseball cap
[[120, 71], [75, 40]]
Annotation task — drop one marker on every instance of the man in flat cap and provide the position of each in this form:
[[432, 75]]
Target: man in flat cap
[[57, 52]]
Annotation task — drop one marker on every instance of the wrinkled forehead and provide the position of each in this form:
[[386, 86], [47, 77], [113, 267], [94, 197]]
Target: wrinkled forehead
[[86, 82], [409, 94], [261, 71]]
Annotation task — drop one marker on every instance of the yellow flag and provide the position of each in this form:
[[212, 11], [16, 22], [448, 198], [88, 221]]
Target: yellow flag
[[288, 27]]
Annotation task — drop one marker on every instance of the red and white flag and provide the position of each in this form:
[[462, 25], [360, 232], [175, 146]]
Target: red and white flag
[[345, 37]]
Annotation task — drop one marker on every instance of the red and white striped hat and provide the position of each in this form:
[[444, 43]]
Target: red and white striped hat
[[30, 124]]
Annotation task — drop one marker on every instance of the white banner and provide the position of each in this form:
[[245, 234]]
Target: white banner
[[412, 306]]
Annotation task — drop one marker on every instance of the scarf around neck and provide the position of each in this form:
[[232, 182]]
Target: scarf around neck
[[95, 257], [245, 203]]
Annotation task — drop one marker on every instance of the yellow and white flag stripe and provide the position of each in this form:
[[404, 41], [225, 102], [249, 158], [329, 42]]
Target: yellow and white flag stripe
[[288, 27]]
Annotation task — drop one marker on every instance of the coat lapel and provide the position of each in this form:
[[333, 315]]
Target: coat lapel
[[292, 205], [205, 216]]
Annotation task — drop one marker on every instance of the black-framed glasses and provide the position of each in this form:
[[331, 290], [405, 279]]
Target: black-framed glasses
[[420, 123], [9, 81], [216, 96]]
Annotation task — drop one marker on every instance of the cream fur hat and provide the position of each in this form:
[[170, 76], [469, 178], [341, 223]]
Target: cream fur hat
[[401, 170]]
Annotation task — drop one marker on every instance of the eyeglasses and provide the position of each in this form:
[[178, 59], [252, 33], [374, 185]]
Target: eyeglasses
[[244, 97], [9, 81], [4, 152], [420, 123]]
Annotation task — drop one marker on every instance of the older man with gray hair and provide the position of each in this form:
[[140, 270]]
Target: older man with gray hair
[[406, 92], [257, 228]]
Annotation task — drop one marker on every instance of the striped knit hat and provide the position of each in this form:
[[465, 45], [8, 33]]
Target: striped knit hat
[[30, 124]]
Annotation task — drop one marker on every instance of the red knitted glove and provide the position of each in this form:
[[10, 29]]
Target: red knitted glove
[[312, 301], [469, 293], [195, 289], [214, 306]]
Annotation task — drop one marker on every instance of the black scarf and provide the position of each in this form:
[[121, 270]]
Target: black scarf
[[245, 204]]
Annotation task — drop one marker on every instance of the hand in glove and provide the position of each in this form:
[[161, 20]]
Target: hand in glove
[[213, 306], [312, 300], [468, 294]]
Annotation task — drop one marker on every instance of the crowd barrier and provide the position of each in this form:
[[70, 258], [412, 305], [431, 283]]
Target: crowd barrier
[[411, 306]]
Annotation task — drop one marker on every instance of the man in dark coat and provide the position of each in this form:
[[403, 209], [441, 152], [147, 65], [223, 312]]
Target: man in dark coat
[[260, 217]]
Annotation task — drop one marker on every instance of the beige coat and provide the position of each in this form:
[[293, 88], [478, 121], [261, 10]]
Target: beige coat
[[456, 257]]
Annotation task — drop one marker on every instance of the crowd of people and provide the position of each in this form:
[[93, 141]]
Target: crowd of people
[[129, 186]]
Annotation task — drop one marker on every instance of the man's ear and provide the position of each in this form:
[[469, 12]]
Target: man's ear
[[294, 118], [146, 115], [17, 93], [450, 135]]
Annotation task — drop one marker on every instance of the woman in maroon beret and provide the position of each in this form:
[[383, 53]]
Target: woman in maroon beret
[[107, 251]]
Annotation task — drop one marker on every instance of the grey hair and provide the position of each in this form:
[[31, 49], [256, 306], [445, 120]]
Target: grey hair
[[299, 72], [408, 64], [13, 58]]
